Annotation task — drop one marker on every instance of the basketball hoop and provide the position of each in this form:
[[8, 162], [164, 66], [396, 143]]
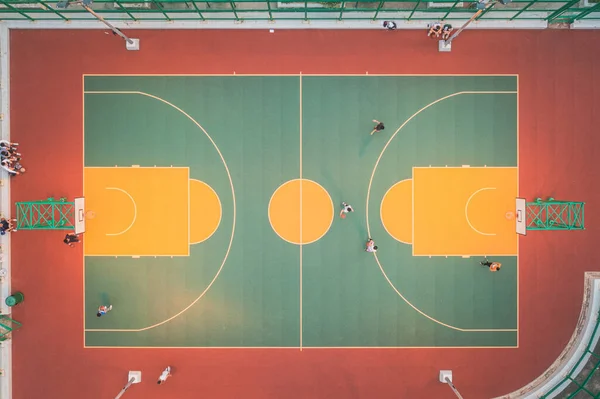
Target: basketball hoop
[[90, 215], [509, 215]]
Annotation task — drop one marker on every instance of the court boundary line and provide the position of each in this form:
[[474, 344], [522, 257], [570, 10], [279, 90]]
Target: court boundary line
[[189, 232], [134, 211], [126, 92], [83, 195], [295, 348], [189, 210], [457, 255], [309, 347], [518, 195], [301, 206], [298, 74], [138, 256], [136, 167], [369, 194], [467, 211], [381, 210]]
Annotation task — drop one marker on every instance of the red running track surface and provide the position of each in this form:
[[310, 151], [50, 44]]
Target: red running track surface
[[559, 75]]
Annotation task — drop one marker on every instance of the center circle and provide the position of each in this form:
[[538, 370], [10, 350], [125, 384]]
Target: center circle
[[300, 211]]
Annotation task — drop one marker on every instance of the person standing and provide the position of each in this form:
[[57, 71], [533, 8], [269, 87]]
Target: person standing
[[390, 25], [446, 31], [103, 309], [494, 266], [435, 29], [378, 127], [71, 239], [371, 247], [164, 375], [345, 209]]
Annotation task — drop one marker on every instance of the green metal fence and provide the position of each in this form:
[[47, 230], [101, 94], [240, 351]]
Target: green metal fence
[[555, 215], [583, 380], [50, 214], [551, 11]]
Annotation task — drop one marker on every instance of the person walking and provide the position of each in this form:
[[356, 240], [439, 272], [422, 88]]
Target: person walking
[[378, 127], [164, 375], [103, 309], [494, 266], [345, 209]]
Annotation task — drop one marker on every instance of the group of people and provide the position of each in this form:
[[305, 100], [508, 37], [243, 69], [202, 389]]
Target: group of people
[[437, 30], [10, 158]]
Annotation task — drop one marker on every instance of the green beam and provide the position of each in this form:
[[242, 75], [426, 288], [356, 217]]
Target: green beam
[[53, 10], [560, 11], [524, 9], [234, 11], [306, 10], [413, 10], [488, 9], [381, 3], [16, 10], [450, 10], [587, 12], [270, 12], [342, 9], [124, 9], [157, 4]]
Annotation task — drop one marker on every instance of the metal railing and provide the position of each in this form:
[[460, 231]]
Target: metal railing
[[551, 11], [582, 380]]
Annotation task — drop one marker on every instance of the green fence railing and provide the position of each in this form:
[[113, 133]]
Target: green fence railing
[[583, 380], [273, 10]]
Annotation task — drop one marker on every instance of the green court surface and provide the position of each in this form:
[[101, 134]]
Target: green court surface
[[245, 136]]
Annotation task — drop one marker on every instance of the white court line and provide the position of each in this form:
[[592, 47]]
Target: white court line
[[295, 348], [301, 238], [467, 211], [134, 211], [300, 73]]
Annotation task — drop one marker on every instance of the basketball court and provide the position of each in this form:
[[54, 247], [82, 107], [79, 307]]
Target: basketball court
[[212, 209]]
